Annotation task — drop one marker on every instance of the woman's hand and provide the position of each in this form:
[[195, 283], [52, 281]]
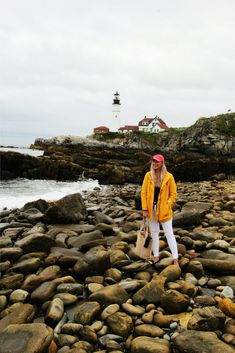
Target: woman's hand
[[145, 214]]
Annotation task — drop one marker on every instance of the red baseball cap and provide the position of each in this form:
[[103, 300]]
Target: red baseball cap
[[158, 157]]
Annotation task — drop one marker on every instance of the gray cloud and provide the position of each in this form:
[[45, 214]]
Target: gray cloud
[[61, 62]]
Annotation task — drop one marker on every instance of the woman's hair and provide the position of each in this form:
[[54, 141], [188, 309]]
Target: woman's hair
[[158, 175]]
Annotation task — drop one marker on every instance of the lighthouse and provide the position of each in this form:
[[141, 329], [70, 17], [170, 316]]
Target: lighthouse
[[116, 122]]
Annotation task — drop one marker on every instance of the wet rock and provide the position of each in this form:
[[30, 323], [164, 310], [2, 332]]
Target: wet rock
[[27, 338], [69, 209], [110, 295], [174, 302], [120, 324], [36, 242], [20, 314], [151, 292], [85, 313], [227, 306], [44, 292], [207, 319], [191, 341], [149, 345]]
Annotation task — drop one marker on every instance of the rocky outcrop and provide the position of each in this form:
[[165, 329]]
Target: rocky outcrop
[[203, 151]]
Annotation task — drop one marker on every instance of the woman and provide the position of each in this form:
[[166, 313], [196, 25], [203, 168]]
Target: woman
[[158, 195]]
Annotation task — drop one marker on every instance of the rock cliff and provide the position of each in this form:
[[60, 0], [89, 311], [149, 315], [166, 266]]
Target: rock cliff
[[203, 151]]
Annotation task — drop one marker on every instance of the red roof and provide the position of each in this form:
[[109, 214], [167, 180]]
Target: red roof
[[101, 129], [129, 127], [145, 120]]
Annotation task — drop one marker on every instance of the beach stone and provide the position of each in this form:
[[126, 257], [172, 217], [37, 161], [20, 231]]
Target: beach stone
[[229, 326], [87, 312], [31, 282], [131, 285], [44, 292], [4, 266], [207, 319], [49, 273], [191, 341], [213, 282], [101, 217], [36, 242], [147, 317], [144, 344], [66, 340], [151, 292], [12, 233], [82, 347], [223, 267], [218, 222], [228, 281], [174, 302], [133, 310], [11, 281], [228, 231], [171, 273], [191, 214], [67, 298], [3, 302], [109, 310], [118, 258], [88, 334], [27, 338], [120, 324], [187, 288], [20, 314], [190, 278], [33, 215], [227, 306], [54, 312], [94, 287], [110, 295], [228, 338], [205, 300], [37, 228], [106, 229], [72, 288], [83, 239], [112, 275], [98, 260], [27, 266], [227, 292], [6, 242], [69, 209], [10, 254], [205, 234], [71, 328], [148, 330], [18, 295], [162, 320], [195, 267]]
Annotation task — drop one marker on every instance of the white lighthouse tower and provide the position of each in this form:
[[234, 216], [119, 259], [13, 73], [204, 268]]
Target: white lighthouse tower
[[116, 122]]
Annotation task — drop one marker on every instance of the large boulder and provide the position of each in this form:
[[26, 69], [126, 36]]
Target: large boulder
[[191, 341], [69, 209]]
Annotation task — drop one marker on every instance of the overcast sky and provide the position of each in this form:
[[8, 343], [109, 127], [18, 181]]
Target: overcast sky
[[61, 61]]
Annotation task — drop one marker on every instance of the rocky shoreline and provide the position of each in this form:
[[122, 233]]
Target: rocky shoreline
[[72, 283]]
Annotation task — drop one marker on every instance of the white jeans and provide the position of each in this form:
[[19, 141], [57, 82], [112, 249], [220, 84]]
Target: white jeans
[[154, 227]]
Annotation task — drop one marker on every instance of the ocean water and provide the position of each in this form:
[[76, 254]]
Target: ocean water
[[29, 151], [16, 193]]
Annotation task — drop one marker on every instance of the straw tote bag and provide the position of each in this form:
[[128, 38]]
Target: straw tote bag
[[144, 242]]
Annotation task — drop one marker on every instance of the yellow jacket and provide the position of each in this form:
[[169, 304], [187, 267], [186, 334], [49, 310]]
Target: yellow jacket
[[166, 198]]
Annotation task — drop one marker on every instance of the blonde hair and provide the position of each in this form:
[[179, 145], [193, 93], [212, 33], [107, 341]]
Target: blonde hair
[[158, 175]]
